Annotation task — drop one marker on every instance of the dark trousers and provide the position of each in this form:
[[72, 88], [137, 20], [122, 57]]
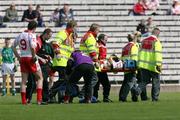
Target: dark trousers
[[143, 94], [61, 77], [128, 83], [147, 77], [61, 72], [104, 80], [31, 84], [45, 93], [93, 83], [86, 71]]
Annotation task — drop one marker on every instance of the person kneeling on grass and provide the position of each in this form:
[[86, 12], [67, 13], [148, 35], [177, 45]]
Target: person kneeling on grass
[[81, 66]]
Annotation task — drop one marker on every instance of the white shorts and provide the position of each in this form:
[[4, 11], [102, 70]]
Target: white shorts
[[7, 68]]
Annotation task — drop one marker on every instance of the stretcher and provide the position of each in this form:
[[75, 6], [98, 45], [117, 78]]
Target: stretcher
[[120, 66], [118, 70]]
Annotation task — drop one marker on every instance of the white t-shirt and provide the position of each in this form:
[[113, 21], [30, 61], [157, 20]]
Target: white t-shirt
[[26, 40]]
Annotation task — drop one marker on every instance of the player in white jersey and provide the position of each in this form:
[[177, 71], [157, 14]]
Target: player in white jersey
[[27, 59]]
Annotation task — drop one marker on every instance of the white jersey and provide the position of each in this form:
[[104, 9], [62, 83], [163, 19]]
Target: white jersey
[[26, 40]]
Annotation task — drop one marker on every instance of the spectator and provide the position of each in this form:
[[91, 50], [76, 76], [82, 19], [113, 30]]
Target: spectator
[[65, 15], [39, 16], [175, 10], [142, 27], [29, 14], [55, 17], [8, 66], [139, 8], [150, 25], [153, 5], [11, 14]]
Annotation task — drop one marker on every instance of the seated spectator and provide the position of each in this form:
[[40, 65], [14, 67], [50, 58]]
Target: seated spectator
[[11, 14], [142, 27], [175, 10], [139, 8], [1, 22], [153, 5], [149, 27], [55, 17], [65, 15], [29, 14], [150, 24], [39, 16]]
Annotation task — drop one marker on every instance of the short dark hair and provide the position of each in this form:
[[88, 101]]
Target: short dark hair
[[130, 37], [156, 30], [94, 26], [7, 38], [101, 37], [47, 30], [32, 25], [71, 24]]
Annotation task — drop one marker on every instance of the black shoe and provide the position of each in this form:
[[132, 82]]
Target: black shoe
[[44, 103], [52, 100], [71, 100], [107, 100], [154, 100], [145, 99], [134, 98], [134, 95], [122, 100]]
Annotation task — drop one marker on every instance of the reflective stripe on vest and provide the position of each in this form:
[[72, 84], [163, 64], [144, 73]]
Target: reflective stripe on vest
[[91, 46], [66, 48], [150, 54], [126, 52]]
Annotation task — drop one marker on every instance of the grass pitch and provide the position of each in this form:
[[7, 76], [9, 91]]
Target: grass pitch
[[167, 108]]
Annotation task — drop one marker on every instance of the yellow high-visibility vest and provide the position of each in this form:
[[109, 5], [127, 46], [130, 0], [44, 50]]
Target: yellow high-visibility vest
[[66, 48], [88, 44], [150, 54], [130, 52]]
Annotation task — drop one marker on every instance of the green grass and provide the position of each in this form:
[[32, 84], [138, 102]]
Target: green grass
[[168, 108]]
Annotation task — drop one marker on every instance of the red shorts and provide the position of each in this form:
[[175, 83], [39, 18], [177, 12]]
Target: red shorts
[[28, 66]]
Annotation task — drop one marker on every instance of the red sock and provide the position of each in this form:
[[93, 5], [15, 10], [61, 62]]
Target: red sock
[[66, 98], [23, 97], [39, 94]]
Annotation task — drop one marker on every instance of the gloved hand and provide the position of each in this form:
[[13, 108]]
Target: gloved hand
[[97, 65], [158, 68]]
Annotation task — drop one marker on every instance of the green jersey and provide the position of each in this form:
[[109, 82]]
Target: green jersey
[[7, 55]]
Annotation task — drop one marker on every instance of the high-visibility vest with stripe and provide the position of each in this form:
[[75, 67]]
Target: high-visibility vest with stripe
[[88, 44], [150, 54], [66, 48], [130, 52]]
